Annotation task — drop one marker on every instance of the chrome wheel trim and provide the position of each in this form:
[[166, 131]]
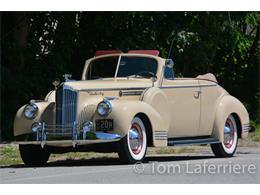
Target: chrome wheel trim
[[230, 135], [136, 139]]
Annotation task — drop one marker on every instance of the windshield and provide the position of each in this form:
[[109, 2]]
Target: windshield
[[128, 66]]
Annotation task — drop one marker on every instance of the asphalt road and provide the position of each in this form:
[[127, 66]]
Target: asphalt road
[[178, 168]]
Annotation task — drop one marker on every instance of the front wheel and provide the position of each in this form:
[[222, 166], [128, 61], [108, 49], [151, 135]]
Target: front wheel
[[228, 147], [132, 147], [34, 155]]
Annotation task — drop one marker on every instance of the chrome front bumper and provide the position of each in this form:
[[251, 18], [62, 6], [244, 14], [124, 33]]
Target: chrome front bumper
[[68, 135]]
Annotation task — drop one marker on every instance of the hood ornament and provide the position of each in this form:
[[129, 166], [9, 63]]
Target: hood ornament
[[67, 77]]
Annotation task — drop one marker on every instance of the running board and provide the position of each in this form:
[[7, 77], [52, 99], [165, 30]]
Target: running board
[[192, 141]]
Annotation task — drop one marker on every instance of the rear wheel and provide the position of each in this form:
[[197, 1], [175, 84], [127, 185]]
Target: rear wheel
[[228, 147], [132, 147], [34, 155]]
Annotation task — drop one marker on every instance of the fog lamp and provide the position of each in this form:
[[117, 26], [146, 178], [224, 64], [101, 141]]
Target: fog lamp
[[87, 126], [36, 127]]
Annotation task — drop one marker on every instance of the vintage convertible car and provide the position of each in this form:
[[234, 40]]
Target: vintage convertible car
[[126, 102]]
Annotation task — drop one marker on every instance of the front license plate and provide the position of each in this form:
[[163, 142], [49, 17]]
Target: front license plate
[[104, 125]]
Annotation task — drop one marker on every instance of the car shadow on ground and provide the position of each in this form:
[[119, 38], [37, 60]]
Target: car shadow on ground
[[101, 161]]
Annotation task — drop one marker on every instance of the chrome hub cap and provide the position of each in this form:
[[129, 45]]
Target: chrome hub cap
[[136, 138], [229, 134]]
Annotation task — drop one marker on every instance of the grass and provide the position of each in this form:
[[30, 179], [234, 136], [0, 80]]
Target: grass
[[255, 134], [170, 150], [9, 155]]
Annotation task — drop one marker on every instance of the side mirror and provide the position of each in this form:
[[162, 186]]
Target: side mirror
[[169, 63], [56, 83]]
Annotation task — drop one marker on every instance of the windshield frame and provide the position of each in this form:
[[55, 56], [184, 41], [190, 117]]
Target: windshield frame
[[88, 63]]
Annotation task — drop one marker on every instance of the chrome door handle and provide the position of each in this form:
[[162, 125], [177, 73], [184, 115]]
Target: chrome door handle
[[197, 94]]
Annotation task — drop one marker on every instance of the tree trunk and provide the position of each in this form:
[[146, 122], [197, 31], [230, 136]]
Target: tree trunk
[[20, 34]]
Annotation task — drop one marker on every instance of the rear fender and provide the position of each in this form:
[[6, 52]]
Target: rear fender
[[230, 105]]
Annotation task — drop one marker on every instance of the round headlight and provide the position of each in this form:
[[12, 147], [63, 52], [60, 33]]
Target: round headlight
[[104, 108], [30, 111], [36, 127]]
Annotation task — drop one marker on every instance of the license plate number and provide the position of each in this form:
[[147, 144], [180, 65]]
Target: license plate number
[[104, 125]]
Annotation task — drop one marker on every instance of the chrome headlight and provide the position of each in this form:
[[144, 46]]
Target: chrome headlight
[[104, 108], [30, 111]]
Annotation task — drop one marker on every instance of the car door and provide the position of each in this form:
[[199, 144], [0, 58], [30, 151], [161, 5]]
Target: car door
[[210, 94], [184, 101]]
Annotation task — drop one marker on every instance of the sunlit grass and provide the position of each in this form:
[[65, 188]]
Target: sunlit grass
[[9, 155]]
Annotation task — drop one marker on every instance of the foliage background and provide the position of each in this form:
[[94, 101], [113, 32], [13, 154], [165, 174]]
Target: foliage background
[[37, 47]]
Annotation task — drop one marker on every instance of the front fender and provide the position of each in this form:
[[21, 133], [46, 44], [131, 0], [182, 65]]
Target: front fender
[[125, 110], [23, 125], [229, 105]]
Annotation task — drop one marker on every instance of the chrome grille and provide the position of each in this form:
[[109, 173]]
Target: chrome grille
[[66, 106]]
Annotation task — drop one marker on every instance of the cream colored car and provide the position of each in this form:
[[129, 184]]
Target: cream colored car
[[126, 102]]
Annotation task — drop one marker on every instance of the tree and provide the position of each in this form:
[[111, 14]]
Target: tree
[[38, 47]]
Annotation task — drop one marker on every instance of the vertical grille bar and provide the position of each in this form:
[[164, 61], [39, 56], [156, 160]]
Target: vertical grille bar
[[66, 106]]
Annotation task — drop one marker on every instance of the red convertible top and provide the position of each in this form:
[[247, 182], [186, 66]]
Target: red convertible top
[[149, 52]]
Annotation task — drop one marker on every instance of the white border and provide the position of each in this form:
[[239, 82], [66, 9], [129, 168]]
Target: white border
[[105, 189], [130, 5]]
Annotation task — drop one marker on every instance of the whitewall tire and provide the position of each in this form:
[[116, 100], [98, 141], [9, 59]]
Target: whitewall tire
[[132, 147], [228, 147]]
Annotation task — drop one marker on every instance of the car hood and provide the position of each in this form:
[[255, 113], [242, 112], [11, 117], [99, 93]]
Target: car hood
[[107, 84]]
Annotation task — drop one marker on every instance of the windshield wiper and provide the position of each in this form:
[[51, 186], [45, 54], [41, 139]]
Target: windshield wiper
[[143, 74], [137, 76]]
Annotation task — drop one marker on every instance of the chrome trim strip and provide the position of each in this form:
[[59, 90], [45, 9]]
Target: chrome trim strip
[[130, 93], [160, 135], [246, 126], [161, 138], [193, 141], [69, 142], [142, 95], [107, 136], [113, 89], [187, 86], [160, 132]]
